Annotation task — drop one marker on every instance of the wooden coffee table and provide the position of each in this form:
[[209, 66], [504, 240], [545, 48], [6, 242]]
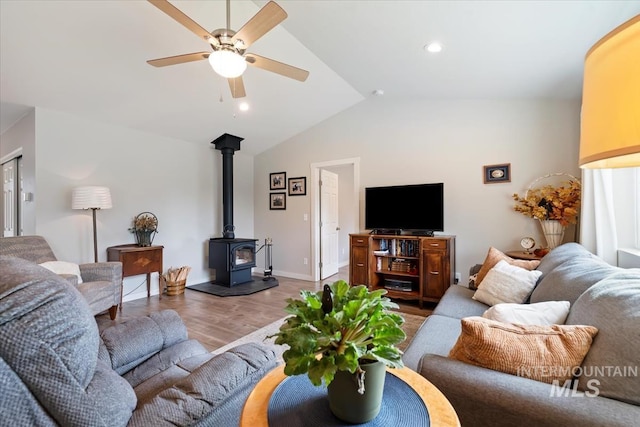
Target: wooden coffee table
[[441, 413]]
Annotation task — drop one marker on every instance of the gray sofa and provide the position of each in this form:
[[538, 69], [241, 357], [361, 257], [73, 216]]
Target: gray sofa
[[101, 281], [601, 295], [56, 368]]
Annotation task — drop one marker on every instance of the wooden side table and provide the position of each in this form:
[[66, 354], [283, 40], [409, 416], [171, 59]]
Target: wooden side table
[[441, 413], [138, 260], [523, 255]]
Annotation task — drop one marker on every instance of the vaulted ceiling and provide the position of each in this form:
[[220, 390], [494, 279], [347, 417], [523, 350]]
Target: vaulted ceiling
[[88, 58]]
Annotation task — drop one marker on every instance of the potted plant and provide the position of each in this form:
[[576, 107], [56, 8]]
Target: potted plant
[[345, 337]]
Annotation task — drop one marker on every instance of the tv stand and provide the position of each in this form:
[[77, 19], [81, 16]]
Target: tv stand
[[418, 268]]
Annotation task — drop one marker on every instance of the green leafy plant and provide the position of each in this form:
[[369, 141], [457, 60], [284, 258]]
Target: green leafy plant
[[340, 328]]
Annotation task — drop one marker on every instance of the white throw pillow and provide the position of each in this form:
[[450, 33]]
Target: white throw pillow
[[63, 267], [541, 313], [506, 283]]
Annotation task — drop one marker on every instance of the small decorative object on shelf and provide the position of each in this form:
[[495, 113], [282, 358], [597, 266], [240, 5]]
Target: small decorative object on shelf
[[540, 252], [145, 227], [554, 206], [528, 243]]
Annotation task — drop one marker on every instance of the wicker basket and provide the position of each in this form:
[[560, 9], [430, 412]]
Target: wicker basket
[[175, 288], [175, 280]]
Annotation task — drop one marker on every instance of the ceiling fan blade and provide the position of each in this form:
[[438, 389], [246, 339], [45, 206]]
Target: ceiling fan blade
[[183, 19], [260, 24], [277, 67], [237, 87], [178, 59]]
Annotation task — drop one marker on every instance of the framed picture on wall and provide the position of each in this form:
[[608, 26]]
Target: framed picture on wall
[[497, 173], [277, 181], [277, 201], [298, 186]]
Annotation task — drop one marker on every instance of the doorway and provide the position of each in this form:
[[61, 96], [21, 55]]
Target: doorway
[[329, 223], [11, 200], [348, 189]]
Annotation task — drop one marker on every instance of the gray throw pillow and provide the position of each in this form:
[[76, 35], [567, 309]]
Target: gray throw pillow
[[570, 279], [611, 366], [560, 255]]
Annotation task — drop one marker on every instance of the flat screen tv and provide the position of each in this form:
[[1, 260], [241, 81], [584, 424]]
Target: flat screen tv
[[418, 207]]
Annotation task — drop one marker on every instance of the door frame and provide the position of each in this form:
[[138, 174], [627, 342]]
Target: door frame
[[314, 191], [18, 208]]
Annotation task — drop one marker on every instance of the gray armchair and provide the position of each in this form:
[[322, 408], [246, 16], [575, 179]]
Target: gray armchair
[[101, 282], [58, 369]]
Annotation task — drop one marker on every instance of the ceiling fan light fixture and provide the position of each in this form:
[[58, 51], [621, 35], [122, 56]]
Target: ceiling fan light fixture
[[227, 63]]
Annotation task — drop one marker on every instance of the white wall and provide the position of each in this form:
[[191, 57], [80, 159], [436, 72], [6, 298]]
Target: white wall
[[396, 141], [180, 182], [410, 142]]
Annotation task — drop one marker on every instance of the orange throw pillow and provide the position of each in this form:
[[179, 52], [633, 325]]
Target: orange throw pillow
[[494, 255], [542, 353]]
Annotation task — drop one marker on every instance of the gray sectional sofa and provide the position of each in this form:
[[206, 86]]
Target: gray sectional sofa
[[56, 368], [601, 295]]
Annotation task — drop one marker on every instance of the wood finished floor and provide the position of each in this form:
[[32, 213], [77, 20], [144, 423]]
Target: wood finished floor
[[217, 321]]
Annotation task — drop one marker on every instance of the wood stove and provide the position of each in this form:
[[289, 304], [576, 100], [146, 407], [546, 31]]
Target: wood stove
[[232, 259]]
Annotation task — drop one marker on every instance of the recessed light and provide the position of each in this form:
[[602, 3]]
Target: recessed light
[[433, 47], [243, 106]]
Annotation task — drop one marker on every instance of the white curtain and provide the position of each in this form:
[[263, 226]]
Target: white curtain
[[597, 220]]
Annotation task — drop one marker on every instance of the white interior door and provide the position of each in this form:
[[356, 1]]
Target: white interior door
[[10, 198], [329, 226]]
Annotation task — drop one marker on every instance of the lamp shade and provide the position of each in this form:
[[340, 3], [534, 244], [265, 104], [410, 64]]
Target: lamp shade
[[610, 124], [227, 63], [91, 197]]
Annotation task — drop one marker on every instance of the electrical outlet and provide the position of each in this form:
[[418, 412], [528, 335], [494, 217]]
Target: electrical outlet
[[305, 261], [458, 278]]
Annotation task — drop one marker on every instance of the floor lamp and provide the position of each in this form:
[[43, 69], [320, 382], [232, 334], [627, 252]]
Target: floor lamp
[[610, 125], [93, 198]]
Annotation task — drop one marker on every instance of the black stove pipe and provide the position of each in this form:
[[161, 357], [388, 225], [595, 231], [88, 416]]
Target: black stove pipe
[[227, 144], [227, 193]]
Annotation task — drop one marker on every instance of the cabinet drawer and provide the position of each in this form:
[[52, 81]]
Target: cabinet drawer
[[359, 241], [434, 244], [141, 262]]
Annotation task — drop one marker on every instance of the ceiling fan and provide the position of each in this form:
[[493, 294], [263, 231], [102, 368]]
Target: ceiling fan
[[229, 57]]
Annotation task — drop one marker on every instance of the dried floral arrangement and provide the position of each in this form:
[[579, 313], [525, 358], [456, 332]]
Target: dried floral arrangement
[[561, 203], [144, 222]]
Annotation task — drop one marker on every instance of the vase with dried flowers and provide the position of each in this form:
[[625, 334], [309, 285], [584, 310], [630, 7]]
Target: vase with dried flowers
[[145, 227], [554, 206]]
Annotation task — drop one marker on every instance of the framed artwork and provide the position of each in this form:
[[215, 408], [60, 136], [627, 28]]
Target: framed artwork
[[277, 181], [277, 201], [298, 186], [497, 173]]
